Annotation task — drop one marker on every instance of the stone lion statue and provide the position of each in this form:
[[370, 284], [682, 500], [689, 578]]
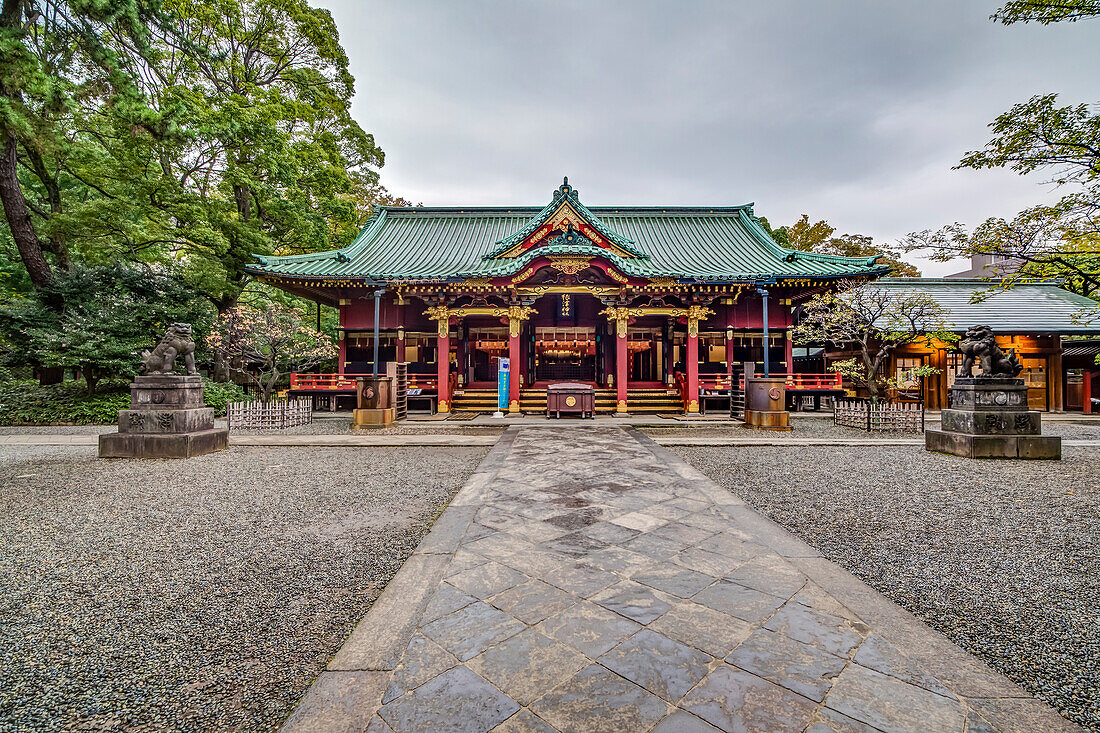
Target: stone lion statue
[[176, 342], [979, 344]]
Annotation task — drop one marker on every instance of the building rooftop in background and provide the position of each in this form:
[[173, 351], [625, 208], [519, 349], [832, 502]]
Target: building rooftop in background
[[989, 265], [1038, 308]]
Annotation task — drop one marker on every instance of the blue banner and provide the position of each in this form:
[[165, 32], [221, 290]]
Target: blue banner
[[502, 384]]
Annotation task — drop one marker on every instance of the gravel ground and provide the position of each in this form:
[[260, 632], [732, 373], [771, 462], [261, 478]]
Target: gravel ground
[[196, 595], [337, 425], [807, 427], [1003, 557], [342, 425]]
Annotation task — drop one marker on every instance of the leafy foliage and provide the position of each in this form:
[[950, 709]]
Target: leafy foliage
[[818, 237], [97, 320], [1046, 11], [180, 133], [1059, 241], [219, 394], [25, 402], [876, 321], [57, 58], [264, 344]]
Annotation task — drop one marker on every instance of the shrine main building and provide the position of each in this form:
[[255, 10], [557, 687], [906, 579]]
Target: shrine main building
[[635, 301]]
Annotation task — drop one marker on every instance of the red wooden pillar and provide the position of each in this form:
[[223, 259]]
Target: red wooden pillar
[[443, 359], [670, 355], [400, 345], [1086, 391], [788, 352], [515, 327], [622, 356], [729, 351], [692, 365]]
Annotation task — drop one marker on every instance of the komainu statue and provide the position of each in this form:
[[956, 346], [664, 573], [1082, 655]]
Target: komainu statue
[[176, 342], [979, 344]]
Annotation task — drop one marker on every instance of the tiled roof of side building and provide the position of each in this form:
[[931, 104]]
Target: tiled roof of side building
[[1025, 308], [724, 244]]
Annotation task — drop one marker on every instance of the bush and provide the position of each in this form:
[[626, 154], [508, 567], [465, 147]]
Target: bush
[[24, 402], [217, 394]]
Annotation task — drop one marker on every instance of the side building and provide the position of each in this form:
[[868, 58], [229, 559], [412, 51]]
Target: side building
[[1031, 319], [640, 302]]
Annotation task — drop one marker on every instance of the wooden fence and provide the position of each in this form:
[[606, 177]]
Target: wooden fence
[[274, 415], [863, 414]]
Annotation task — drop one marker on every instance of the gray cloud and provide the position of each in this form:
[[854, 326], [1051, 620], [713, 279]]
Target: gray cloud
[[852, 111]]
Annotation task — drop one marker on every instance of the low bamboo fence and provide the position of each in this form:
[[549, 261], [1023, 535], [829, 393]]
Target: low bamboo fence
[[277, 414]]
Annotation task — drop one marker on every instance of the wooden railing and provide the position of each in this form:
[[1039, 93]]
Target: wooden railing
[[324, 382], [346, 382], [795, 382]]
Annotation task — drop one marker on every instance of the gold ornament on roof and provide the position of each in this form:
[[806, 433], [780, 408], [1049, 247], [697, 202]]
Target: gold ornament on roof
[[568, 264]]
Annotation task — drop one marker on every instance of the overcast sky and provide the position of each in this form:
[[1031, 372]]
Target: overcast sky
[[852, 111]]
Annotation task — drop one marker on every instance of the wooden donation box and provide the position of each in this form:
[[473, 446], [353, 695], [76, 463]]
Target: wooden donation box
[[570, 398]]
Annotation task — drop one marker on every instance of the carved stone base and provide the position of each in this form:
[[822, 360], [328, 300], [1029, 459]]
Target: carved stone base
[[166, 419], [989, 419], [166, 392], [163, 445], [992, 422], [994, 446]]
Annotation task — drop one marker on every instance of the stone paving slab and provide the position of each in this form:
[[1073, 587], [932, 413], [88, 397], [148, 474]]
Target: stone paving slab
[[586, 579]]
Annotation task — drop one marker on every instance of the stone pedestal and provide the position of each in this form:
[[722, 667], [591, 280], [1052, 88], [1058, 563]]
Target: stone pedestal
[[989, 419], [766, 403], [166, 419]]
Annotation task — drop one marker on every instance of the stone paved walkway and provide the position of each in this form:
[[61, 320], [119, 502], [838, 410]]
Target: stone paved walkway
[[585, 579]]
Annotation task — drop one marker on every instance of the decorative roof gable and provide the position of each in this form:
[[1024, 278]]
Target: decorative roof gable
[[566, 214]]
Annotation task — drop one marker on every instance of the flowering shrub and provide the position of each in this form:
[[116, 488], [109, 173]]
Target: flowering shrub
[[263, 344]]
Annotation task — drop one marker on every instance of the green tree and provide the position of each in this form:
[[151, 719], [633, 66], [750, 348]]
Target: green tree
[[270, 160], [1049, 241], [819, 237], [874, 320], [1046, 11], [97, 320], [56, 57]]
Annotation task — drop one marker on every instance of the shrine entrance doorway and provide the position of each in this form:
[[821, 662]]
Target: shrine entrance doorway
[[565, 354]]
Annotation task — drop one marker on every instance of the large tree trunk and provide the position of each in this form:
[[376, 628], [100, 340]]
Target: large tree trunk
[[19, 217], [11, 193], [57, 244], [221, 364]]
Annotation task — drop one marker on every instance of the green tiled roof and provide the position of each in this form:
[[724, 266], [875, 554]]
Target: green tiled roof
[[441, 244], [1031, 308]]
